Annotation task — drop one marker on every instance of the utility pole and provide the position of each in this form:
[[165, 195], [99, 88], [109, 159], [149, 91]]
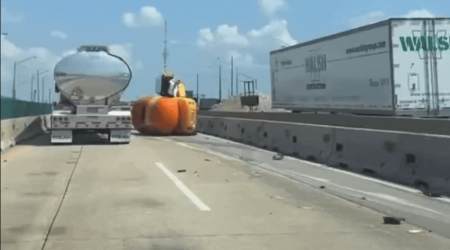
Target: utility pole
[[42, 89], [165, 54], [49, 94], [237, 81], [32, 79], [14, 82], [37, 77], [37, 87], [220, 83], [197, 88], [231, 76]]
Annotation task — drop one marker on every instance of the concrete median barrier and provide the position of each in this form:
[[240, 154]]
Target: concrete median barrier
[[418, 160], [17, 130]]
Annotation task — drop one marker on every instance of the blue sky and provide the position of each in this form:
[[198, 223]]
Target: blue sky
[[199, 32]]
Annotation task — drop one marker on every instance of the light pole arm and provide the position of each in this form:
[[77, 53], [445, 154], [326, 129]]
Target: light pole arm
[[31, 57]]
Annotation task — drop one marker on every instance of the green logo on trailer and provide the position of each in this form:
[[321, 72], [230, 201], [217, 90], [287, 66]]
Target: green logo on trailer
[[425, 43]]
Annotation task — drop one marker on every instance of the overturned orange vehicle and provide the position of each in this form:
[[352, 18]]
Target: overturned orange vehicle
[[169, 113]]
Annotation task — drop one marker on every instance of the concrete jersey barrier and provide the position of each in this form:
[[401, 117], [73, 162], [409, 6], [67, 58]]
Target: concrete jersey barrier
[[20, 129], [418, 160]]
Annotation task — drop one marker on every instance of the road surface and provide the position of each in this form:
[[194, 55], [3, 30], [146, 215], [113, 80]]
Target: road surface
[[201, 192]]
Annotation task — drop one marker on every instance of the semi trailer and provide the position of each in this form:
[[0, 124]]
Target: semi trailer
[[90, 83], [395, 67]]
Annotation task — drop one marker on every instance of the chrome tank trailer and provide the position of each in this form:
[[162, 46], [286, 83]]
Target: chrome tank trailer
[[92, 76]]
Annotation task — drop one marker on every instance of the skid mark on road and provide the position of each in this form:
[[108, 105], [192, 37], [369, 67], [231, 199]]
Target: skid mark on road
[[202, 206]]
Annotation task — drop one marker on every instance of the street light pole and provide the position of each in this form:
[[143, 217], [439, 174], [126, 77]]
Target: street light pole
[[231, 76], [43, 90], [32, 79], [14, 76], [237, 81], [220, 83], [14, 82], [37, 74]]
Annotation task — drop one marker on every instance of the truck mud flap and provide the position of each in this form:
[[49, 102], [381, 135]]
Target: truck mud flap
[[61, 136], [120, 136]]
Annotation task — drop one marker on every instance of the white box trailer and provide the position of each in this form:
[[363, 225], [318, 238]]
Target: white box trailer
[[394, 67]]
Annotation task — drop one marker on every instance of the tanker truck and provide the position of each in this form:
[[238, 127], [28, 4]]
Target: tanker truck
[[90, 83]]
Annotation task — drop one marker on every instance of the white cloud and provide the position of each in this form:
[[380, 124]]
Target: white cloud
[[205, 36], [276, 30], [243, 60], [125, 51], [377, 16], [148, 16], [122, 50], [230, 35], [271, 6], [224, 35], [251, 49], [58, 34], [69, 52], [226, 41], [371, 17], [419, 13], [8, 17]]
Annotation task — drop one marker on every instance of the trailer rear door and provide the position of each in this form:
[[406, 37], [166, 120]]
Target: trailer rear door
[[421, 66]]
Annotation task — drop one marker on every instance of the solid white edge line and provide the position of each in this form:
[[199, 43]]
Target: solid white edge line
[[202, 206]]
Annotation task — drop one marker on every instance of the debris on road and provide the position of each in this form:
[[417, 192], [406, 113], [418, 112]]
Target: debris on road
[[279, 197], [195, 172], [256, 174], [277, 157], [181, 170], [431, 194], [364, 198], [322, 187], [4, 160], [392, 220], [207, 159], [416, 231]]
